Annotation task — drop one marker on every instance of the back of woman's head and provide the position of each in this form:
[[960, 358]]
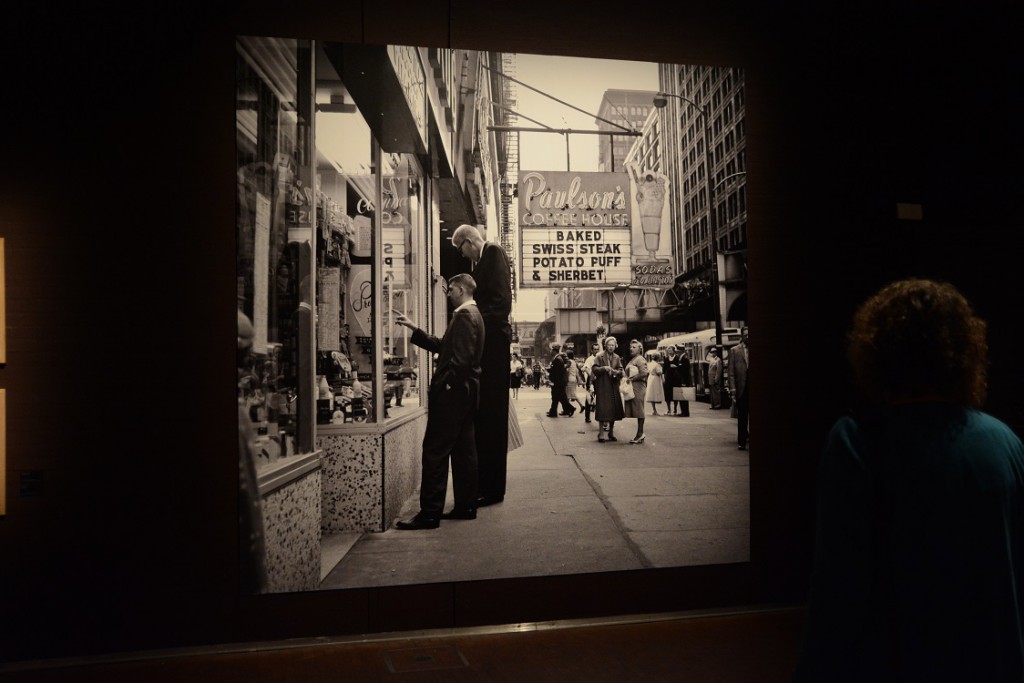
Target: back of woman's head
[[919, 338]]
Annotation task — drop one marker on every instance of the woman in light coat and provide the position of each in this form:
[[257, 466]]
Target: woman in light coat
[[655, 383]]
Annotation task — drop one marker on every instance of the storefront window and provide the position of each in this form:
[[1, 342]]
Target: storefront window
[[349, 266], [345, 306], [403, 226], [274, 254]]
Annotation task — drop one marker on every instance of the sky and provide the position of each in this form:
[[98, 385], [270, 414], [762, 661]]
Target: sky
[[580, 82]]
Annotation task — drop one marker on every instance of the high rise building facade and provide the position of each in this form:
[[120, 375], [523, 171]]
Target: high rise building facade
[[629, 109], [716, 101], [646, 151]]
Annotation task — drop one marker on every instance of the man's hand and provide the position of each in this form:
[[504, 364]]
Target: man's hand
[[404, 321]]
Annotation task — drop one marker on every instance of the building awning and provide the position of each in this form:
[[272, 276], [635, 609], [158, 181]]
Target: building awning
[[389, 87]]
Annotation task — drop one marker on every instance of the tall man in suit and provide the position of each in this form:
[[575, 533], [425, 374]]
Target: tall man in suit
[[739, 385], [493, 277], [454, 397]]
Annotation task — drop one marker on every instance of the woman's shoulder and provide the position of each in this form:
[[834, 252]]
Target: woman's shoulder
[[992, 428]]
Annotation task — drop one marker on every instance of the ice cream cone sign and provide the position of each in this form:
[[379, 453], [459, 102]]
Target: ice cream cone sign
[[650, 193]]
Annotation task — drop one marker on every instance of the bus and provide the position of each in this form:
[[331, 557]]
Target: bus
[[696, 346]]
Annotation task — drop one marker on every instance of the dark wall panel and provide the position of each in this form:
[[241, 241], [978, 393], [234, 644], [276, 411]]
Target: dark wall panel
[[116, 198]]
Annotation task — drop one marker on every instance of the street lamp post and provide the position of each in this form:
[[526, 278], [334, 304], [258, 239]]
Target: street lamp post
[[660, 101]]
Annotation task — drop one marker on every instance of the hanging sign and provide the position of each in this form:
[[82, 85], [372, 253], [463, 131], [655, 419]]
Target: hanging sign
[[652, 261], [574, 229]]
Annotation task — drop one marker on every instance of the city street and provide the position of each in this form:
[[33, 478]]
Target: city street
[[574, 505]]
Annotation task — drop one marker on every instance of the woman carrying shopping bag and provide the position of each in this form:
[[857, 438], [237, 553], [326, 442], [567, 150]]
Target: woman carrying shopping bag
[[636, 375]]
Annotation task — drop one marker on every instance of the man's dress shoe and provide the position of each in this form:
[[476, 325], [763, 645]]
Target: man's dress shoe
[[419, 522]]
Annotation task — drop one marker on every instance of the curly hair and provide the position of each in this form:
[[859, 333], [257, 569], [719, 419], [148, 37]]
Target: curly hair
[[918, 338]]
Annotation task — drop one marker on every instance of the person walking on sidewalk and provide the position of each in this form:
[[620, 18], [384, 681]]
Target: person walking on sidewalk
[[558, 373], [538, 375], [607, 373], [515, 375], [574, 376], [588, 374], [493, 277], [637, 373], [454, 397], [655, 383]]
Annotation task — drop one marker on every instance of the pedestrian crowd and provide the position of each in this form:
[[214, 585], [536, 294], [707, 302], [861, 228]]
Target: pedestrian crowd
[[614, 387]]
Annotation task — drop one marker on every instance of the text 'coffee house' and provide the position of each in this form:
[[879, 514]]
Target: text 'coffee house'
[[580, 229]]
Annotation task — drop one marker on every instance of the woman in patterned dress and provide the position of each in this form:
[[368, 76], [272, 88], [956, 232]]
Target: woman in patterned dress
[[636, 371]]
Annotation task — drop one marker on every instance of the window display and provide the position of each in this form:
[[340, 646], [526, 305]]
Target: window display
[[328, 253], [274, 259], [349, 267]]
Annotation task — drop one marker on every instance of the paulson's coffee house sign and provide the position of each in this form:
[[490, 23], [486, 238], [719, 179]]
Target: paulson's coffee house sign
[[580, 229]]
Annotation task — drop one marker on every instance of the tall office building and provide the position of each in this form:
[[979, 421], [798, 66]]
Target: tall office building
[[717, 93], [628, 108]]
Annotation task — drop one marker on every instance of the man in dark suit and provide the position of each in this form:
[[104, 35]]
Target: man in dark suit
[[715, 378], [559, 375], [739, 386], [684, 377], [493, 277], [672, 380], [453, 399]]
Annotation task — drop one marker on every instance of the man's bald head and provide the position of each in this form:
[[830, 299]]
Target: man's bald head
[[468, 241]]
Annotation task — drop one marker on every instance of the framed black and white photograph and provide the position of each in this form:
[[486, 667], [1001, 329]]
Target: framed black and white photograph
[[368, 177]]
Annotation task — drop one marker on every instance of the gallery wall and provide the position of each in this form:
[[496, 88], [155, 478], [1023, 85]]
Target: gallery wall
[[117, 207]]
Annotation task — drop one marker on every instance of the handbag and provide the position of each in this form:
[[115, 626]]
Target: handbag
[[626, 389]]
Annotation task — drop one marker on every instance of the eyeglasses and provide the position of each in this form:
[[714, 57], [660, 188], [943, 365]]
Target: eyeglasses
[[446, 288], [458, 247]]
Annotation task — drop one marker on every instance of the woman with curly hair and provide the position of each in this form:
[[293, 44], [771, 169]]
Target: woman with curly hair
[[919, 551]]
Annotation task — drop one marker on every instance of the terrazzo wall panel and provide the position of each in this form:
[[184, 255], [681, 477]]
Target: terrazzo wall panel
[[291, 519], [368, 477], [352, 490], [402, 465]]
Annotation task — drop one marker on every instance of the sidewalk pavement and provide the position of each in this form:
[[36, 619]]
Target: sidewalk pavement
[[574, 505]]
